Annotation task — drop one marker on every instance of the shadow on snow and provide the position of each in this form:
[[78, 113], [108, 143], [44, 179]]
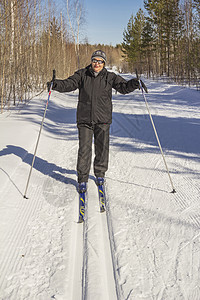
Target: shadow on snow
[[41, 165], [176, 134]]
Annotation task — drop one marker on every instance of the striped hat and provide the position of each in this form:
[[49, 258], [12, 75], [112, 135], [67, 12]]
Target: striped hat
[[100, 54]]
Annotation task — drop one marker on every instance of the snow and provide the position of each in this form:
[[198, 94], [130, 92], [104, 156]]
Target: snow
[[147, 246]]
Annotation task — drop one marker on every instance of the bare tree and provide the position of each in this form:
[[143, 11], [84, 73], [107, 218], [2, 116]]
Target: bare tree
[[75, 26]]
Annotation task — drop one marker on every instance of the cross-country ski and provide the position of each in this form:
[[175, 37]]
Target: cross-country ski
[[102, 194]]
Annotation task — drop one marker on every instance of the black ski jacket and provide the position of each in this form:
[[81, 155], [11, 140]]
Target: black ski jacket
[[95, 93]]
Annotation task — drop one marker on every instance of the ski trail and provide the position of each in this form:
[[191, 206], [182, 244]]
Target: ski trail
[[113, 250], [76, 264], [146, 245], [111, 276], [100, 252], [93, 262], [78, 255]]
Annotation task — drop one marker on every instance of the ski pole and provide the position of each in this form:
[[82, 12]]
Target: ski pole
[[54, 76], [155, 131]]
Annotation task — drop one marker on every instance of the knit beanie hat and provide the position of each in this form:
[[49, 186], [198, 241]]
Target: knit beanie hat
[[100, 54]]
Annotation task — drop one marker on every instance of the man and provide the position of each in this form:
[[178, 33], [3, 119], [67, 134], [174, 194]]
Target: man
[[94, 112]]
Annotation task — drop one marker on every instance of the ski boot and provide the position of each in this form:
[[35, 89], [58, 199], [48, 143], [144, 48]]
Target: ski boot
[[82, 187], [100, 181]]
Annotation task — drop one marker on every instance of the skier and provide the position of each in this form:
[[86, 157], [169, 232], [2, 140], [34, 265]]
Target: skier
[[94, 112]]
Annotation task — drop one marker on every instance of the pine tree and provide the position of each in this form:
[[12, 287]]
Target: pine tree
[[165, 16], [132, 40], [148, 46]]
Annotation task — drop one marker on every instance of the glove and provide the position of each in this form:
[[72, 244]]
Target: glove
[[53, 80], [49, 85], [144, 86], [134, 83]]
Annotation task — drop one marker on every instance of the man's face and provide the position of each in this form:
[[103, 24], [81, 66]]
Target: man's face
[[97, 64]]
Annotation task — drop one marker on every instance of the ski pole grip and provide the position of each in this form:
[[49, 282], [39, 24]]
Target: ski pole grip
[[136, 71], [54, 75]]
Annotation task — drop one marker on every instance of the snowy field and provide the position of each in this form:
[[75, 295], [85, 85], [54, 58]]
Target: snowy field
[[147, 245]]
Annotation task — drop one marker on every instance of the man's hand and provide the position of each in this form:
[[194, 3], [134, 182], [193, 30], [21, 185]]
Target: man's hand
[[48, 85], [50, 82]]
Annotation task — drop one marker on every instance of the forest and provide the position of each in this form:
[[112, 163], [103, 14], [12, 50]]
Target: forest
[[35, 38], [165, 40]]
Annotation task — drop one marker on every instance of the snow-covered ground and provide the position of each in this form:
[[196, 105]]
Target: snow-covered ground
[[147, 246]]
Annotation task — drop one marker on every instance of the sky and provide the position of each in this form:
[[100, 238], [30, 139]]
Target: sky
[[107, 19]]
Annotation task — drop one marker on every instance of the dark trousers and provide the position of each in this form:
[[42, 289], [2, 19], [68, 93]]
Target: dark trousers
[[101, 144]]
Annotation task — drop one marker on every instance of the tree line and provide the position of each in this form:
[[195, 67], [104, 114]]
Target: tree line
[[35, 38], [165, 40]]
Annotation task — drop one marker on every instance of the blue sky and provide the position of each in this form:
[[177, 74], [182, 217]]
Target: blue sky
[[107, 19]]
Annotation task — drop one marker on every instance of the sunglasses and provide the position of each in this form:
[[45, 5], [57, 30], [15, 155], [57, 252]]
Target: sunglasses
[[97, 61]]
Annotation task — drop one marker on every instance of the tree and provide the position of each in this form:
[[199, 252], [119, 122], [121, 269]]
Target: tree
[[167, 20], [148, 46], [132, 40], [75, 23], [167, 40]]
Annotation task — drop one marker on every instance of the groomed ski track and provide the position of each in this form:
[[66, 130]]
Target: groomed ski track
[[148, 248], [94, 274]]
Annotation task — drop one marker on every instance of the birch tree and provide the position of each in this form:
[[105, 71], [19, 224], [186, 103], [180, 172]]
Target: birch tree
[[75, 18]]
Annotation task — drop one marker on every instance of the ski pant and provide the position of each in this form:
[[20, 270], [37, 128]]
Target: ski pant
[[101, 147]]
